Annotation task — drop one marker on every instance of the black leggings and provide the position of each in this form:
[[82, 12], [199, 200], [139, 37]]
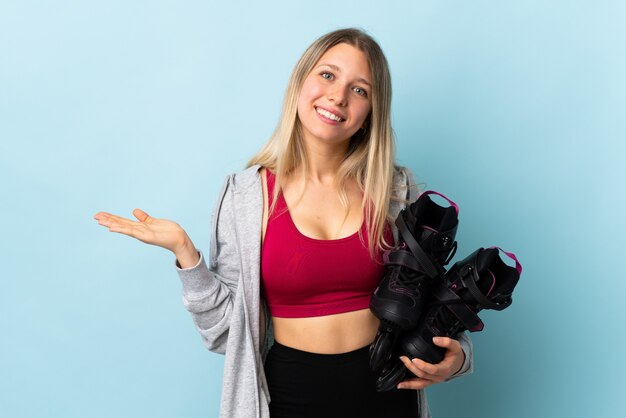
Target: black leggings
[[304, 384]]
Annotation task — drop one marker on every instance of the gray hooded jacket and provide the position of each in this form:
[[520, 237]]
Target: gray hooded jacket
[[225, 301]]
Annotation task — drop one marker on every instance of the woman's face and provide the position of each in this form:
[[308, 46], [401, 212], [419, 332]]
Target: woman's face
[[335, 98]]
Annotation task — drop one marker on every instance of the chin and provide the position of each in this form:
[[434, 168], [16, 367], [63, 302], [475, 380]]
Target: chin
[[330, 139]]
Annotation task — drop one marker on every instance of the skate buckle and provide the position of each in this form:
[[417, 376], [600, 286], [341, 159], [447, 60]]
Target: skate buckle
[[466, 271]]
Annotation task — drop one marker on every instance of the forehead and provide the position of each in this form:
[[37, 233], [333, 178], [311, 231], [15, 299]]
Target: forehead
[[347, 59]]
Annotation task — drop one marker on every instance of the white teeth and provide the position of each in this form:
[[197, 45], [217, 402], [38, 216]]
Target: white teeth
[[328, 115]]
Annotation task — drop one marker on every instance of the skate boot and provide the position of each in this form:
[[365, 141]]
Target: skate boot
[[427, 232], [480, 281]]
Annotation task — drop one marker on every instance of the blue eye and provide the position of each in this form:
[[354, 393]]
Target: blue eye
[[327, 75], [360, 91]]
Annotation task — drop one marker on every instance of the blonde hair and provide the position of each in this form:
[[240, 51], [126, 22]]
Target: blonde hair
[[370, 158]]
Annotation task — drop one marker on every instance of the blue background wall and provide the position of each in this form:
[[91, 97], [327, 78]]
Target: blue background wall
[[514, 109]]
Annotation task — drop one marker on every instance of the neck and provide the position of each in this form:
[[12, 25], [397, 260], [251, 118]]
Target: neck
[[324, 160]]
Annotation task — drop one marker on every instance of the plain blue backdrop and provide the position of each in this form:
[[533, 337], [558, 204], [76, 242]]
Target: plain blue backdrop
[[515, 109]]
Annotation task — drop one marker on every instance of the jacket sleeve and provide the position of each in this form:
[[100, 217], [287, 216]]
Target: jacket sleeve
[[209, 290]]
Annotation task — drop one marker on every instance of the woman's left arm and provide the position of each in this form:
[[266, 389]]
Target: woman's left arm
[[457, 361]]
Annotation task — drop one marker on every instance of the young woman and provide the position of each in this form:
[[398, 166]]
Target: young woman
[[296, 250]]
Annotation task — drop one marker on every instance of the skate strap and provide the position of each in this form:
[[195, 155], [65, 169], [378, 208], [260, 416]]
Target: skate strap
[[402, 258], [454, 205], [422, 258], [469, 277], [518, 265], [455, 304]]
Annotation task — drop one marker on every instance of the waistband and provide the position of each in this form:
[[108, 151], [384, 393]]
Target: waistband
[[284, 352]]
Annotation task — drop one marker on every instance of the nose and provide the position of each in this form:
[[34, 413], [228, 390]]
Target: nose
[[338, 95]]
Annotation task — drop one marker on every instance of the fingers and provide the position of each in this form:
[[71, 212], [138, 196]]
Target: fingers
[[116, 223], [422, 369], [447, 342], [414, 383], [107, 219], [427, 374], [101, 215], [137, 213], [142, 216], [103, 218]]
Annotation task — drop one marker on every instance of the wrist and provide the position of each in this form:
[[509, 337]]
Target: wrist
[[458, 370], [186, 254]]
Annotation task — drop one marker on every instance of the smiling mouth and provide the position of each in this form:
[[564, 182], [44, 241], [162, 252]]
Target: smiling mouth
[[328, 115]]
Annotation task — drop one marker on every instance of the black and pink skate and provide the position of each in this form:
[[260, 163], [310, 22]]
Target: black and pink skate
[[480, 281], [427, 231]]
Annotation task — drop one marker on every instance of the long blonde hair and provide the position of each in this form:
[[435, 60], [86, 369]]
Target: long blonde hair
[[370, 158]]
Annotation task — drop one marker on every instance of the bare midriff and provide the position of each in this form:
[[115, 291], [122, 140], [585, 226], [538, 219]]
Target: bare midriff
[[331, 334]]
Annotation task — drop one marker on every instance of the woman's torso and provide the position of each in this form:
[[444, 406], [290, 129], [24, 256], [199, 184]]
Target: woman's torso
[[319, 215]]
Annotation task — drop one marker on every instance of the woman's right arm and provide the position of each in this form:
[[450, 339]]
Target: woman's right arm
[[208, 292]]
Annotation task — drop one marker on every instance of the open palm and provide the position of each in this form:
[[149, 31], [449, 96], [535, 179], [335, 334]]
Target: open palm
[[160, 232]]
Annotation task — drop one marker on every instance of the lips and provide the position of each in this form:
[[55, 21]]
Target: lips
[[329, 115]]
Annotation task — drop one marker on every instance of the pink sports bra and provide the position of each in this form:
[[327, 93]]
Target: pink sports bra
[[304, 277]]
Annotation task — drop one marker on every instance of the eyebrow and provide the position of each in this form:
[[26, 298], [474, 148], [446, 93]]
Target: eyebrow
[[334, 67]]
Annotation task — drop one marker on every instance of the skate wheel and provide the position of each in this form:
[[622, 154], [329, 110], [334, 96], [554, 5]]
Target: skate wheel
[[380, 350], [391, 376]]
